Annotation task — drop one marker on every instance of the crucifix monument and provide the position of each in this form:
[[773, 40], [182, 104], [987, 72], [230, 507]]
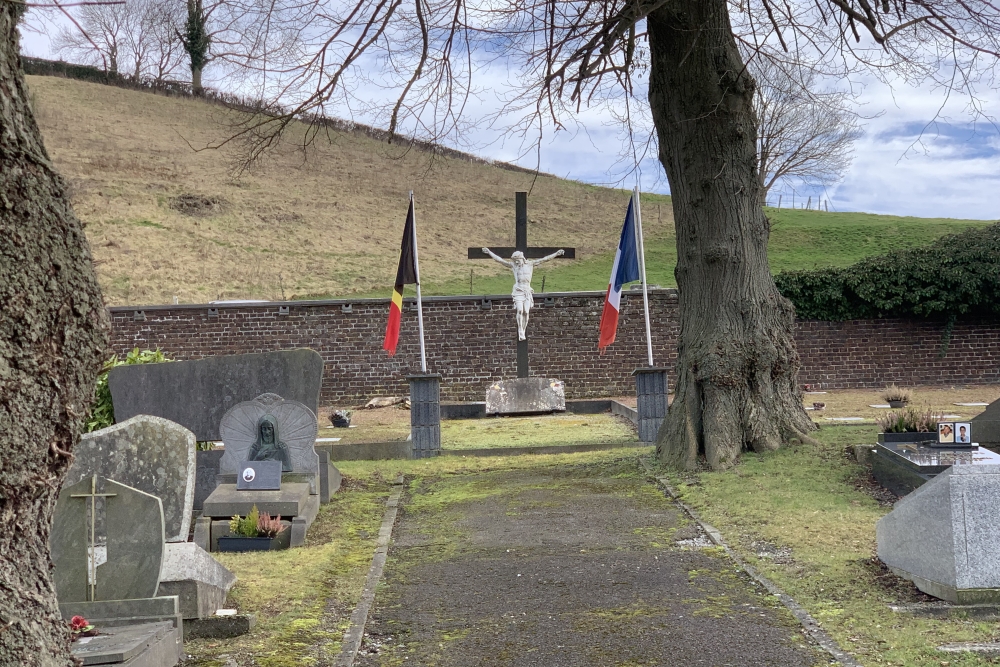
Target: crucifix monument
[[520, 262]]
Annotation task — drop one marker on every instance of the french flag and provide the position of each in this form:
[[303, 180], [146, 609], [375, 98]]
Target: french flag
[[625, 270]]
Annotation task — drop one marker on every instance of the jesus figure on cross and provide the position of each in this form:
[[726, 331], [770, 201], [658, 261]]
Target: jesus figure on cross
[[522, 292]]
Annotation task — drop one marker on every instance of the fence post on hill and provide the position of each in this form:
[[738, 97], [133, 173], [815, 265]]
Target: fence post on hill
[[650, 382]]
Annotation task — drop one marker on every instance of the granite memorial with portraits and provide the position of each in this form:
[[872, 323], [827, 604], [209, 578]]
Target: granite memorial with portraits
[[267, 428]]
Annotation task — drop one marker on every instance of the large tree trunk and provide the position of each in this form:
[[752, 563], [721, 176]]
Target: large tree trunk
[[737, 369], [53, 334]]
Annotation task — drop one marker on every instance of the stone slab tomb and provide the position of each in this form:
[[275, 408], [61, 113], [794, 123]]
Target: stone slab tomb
[[945, 537], [107, 545], [525, 396], [266, 428], [147, 453], [198, 393], [902, 467]]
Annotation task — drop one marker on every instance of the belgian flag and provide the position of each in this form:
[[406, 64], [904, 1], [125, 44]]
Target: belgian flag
[[406, 274]]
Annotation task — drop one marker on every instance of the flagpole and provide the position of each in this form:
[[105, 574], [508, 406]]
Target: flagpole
[[420, 305], [642, 269]]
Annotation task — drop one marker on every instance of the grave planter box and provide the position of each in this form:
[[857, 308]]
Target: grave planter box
[[910, 436], [241, 544]]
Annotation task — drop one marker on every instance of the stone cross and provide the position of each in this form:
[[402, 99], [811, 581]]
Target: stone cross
[[530, 252]]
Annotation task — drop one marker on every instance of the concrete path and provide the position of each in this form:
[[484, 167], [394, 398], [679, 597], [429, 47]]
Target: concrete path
[[567, 566]]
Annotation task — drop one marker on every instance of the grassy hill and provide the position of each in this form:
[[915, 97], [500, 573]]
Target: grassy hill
[[166, 221]]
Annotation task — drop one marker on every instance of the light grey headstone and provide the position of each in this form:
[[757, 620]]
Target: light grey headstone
[[147, 453], [296, 427], [526, 395], [945, 536], [131, 541], [197, 393]]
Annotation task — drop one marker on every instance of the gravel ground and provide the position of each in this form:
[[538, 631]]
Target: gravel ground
[[567, 566]]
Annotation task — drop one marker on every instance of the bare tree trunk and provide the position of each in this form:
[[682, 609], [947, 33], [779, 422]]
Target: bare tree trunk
[[737, 367], [53, 335], [196, 80]]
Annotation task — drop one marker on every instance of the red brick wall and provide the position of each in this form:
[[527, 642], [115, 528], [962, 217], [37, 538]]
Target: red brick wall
[[472, 346]]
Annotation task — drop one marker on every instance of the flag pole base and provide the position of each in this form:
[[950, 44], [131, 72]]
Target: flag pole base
[[425, 415], [651, 388]]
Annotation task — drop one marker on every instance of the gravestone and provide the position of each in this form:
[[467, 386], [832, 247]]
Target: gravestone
[[244, 430], [525, 396], [945, 537], [196, 394], [107, 545], [150, 454], [266, 428]]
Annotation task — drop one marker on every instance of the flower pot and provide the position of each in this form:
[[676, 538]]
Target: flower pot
[[897, 404], [240, 544]]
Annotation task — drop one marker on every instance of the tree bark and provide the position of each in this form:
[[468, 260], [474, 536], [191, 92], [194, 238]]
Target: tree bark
[[196, 87], [53, 336], [737, 369]]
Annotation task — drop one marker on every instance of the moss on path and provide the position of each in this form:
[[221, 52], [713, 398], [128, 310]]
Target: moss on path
[[575, 564]]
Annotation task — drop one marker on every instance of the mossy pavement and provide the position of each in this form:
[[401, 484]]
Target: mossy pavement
[[584, 563]]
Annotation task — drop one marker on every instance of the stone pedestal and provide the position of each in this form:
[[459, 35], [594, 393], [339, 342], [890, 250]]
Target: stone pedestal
[[425, 415], [651, 391], [199, 581], [293, 503], [526, 396]]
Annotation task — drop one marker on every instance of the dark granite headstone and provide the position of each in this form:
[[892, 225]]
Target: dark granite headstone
[[259, 476], [196, 394], [129, 556], [205, 478]]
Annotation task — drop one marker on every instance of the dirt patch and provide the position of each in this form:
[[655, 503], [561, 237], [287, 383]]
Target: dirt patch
[[198, 206]]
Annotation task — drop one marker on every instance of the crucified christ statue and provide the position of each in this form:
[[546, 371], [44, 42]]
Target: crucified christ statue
[[522, 292]]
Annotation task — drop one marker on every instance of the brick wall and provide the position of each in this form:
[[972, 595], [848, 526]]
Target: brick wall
[[471, 341]]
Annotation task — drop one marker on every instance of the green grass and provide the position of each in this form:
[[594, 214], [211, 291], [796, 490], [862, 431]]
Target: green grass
[[805, 498], [800, 239], [545, 430]]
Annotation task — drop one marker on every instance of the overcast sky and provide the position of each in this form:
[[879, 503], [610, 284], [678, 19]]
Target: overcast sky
[[905, 164]]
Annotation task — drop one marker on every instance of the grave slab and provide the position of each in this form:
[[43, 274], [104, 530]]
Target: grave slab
[[227, 501], [200, 582], [902, 467], [146, 645], [147, 453], [944, 536], [196, 394], [529, 395], [219, 627]]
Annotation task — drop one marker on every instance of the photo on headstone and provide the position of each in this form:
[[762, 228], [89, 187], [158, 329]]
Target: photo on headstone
[[946, 433]]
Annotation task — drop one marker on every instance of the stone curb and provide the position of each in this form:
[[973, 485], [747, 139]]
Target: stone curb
[[809, 624], [356, 632], [982, 648]]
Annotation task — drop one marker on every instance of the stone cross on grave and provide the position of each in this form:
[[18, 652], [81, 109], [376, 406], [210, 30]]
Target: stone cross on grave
[[521, 245]]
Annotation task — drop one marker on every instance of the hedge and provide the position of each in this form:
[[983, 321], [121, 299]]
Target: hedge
[[958, 276]]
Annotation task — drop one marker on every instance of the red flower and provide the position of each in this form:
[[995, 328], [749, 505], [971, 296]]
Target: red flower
[[78, 624]]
